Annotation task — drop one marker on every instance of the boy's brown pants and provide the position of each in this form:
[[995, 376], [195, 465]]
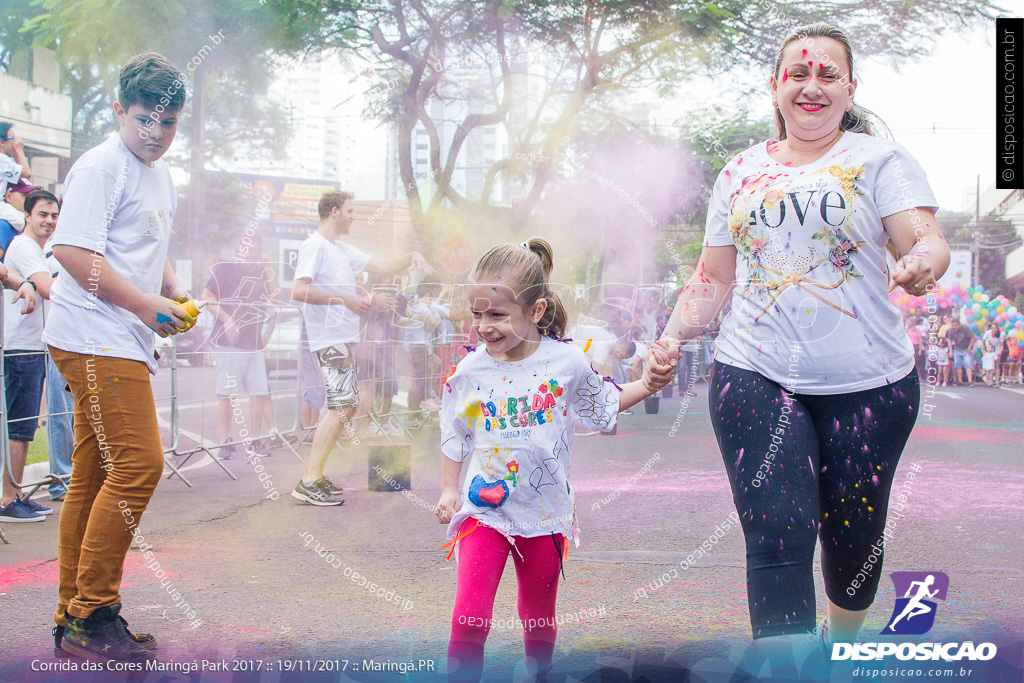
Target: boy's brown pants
[[115, 467]]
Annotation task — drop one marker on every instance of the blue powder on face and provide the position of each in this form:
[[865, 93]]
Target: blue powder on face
[[163, 319]]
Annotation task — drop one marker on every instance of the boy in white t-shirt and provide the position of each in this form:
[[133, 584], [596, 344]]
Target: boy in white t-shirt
[[115, 290], [325, 280]]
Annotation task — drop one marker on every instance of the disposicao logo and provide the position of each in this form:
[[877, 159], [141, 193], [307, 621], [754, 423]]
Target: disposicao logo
[[914, 614]]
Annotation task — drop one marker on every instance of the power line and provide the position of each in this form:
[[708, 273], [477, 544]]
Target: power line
[[62, 130]]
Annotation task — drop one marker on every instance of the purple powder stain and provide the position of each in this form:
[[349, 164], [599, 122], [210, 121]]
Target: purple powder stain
[[874, 479]]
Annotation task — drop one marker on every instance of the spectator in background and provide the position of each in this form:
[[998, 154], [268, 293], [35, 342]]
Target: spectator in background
[[618, 319], [13, 162], [314, 394], [442, 346], [14, 170], [689, 361], [995, 338], [963, 351], [60, 405], [645, 322], [663, 315], [1011, 370], [24, 351], [14, 201], [988, 362], [914, 332], [240, 295], [375, 363], [944, 327], [418, 336], [943, 356], [462, 319], [621, 362]]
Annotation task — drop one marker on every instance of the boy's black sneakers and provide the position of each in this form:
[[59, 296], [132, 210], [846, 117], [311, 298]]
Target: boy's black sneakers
[[146, 640], [101, 636]]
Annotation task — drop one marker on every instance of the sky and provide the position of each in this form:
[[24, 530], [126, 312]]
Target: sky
[[943, 110]]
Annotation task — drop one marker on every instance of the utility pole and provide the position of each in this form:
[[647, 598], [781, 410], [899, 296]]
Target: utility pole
[[197, 199], [976, 247]]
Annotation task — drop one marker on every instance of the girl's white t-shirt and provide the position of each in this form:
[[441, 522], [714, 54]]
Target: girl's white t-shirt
[[514, 421], [810, 308], [116, 206]]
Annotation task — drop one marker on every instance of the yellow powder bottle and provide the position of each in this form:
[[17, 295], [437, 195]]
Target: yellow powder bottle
[[192, 307]]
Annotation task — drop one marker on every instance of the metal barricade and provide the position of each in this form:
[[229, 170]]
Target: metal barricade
[[173, 404], [6, 466], [287, 438]]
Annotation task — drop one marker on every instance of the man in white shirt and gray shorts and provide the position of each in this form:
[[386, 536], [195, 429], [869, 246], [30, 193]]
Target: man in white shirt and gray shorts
[[325, 281]]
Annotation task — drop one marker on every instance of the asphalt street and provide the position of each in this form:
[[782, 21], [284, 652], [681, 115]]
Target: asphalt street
[[248, 565]]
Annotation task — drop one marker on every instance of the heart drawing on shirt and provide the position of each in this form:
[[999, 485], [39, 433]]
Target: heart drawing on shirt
[[487, 494]]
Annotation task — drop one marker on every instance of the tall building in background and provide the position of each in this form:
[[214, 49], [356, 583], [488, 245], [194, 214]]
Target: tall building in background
[[1009, 205], [303, 90]]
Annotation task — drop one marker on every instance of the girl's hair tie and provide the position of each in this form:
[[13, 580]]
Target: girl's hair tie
[[524, 245]]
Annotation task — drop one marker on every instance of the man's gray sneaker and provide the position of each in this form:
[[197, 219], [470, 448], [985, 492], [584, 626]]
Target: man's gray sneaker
[[315, 495]]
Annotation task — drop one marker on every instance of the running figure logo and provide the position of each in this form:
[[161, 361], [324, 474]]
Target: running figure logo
[[914, 613]]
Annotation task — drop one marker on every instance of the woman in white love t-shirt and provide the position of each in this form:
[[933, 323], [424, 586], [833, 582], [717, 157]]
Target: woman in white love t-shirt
[[814, 391]]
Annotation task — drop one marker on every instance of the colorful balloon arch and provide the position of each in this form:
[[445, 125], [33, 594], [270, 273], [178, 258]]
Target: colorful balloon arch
[[976, 307]]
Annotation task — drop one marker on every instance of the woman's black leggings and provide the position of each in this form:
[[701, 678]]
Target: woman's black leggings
[[802, 467]]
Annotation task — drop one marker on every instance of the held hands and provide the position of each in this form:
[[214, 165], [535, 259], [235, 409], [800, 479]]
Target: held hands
[[914, 274], [447, 505], [660, 363], [163, 316]]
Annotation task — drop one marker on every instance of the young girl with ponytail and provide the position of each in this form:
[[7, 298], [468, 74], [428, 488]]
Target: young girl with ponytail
[[509, 412]]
